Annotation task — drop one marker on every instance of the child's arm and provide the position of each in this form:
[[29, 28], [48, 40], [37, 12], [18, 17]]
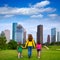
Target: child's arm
[[22, 47], [36, 46]]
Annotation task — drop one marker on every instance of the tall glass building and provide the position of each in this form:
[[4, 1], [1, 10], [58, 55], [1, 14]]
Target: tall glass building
[[53, 35], [58, 36], [14, 31], [19, 34]]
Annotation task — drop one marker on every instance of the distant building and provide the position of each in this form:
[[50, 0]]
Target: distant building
[[7, 34], [53, 35], [19, 34], [24, 39], [48, 39], [40, 33], [14, 27], [58, 36]]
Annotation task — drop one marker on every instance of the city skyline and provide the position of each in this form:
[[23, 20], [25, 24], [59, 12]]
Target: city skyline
[[30, 13]]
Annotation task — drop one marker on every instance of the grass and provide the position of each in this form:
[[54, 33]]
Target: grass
[[51, 54]]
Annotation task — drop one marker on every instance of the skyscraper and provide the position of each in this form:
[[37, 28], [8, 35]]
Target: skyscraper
[[58, 36], [7, 34], [53, 35], [24, 39], [40, 33], [14, 31], [48, 39], [19, 34]]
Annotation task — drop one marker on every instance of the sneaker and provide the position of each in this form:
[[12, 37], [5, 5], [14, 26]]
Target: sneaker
[[29, 57], [38, 57], [18, 57], [21, 56]]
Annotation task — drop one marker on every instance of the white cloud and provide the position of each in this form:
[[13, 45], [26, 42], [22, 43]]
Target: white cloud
[[7, 16], [52, 15], [14, 11], [23, 11], [49, 9], [41, 4], [32, 10], [37, 16]]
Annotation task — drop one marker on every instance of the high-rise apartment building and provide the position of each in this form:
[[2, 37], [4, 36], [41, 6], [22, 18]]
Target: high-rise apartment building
[[48, 39], [53, 35], [7, 34], [58, 36], [40, 33]]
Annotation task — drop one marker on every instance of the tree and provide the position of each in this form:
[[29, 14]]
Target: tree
[[12, 44], [2, 41]]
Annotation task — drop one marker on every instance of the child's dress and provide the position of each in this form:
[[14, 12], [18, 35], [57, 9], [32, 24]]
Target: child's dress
[[19, 49], [38, 46]]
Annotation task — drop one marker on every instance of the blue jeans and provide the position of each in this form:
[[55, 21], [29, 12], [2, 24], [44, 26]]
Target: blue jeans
[[29, 51]]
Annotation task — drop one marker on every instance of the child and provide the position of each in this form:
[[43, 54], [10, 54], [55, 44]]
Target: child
[[38, 47], [19, 49]]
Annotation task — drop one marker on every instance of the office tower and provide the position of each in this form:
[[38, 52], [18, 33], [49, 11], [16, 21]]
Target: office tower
[[40, 33], [48, 39], [19, 34], [14, 31], [58, 36], [7, 34], [24, 39], [53, 35]]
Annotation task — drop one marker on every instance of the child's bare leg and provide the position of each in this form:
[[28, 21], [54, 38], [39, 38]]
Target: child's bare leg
[[21, 55], [18, 55], [39, 54]]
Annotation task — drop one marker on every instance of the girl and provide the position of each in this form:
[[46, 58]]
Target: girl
[[38, 47], [19, 49]]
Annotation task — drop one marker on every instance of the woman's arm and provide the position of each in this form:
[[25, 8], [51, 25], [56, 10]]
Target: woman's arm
[[33, 43], [26, 43]]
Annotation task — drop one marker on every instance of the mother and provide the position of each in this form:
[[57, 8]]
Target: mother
[[29, 43]]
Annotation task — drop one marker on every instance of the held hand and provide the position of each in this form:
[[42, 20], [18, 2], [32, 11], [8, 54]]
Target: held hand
[[23, 47], [35, 47]]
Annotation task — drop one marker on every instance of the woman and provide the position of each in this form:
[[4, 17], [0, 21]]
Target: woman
[[30, 43]]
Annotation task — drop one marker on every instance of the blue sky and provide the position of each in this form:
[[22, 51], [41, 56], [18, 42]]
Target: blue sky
[[30, 13]]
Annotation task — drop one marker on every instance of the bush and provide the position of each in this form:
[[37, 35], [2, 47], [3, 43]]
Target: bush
[[12, 44]]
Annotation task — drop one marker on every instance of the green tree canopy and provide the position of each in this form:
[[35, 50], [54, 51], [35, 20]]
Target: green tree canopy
[[2, 40], [12, 44]]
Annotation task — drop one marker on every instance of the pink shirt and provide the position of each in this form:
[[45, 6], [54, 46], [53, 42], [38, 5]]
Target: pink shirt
[[38, 46]]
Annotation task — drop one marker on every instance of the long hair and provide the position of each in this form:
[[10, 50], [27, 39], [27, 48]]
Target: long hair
[[38, 42], [30, 37]]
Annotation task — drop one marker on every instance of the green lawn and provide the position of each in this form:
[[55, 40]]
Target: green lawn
[[51, 54]]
